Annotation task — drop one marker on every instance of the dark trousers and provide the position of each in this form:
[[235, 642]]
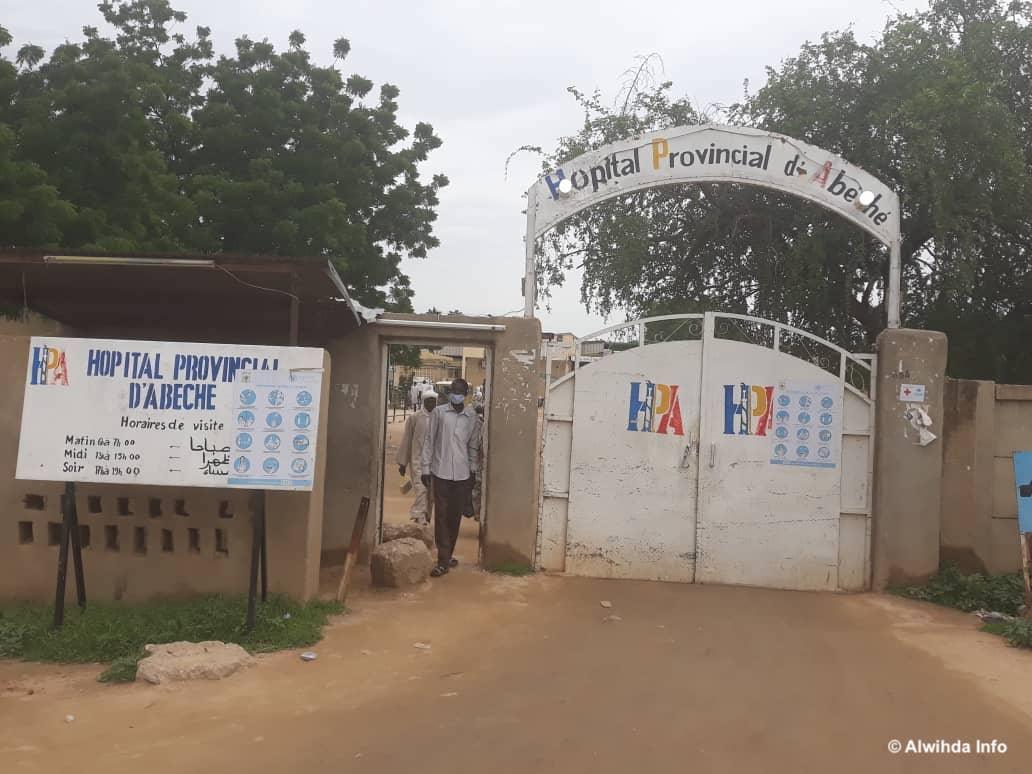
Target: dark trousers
[[449, 499]]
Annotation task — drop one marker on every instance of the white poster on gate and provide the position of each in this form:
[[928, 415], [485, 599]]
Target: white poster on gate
[[807, 425], [170, 414]]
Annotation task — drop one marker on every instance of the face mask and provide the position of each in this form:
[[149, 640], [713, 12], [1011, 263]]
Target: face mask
[[456, 399]]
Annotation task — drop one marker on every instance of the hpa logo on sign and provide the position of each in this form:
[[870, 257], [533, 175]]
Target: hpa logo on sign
[[655, 408], [747, 409], [48, 366]]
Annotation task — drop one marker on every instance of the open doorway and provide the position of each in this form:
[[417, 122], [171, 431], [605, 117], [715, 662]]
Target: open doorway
[[415, 370]]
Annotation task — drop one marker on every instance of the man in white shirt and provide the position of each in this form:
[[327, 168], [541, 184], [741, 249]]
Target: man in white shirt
[[450, 456], [410, 457], [419, 386]]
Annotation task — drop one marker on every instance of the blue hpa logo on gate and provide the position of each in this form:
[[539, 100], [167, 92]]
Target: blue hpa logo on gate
[[48, 366], [654, 408]]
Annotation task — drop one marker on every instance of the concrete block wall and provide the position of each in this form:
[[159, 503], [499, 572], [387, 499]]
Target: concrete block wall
[[138, 542], [356, 432], [353, 438], [513, 445], [907, 475], [985, 424]]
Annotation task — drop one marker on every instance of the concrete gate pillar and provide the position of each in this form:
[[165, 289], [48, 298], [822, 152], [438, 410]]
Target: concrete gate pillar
[[907, 475]]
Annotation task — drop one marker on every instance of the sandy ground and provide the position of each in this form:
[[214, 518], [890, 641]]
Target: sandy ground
[[527, 674]]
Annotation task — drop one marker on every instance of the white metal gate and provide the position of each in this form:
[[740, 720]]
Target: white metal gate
[[716, 448]]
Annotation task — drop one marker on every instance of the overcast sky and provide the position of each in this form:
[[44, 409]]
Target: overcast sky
[[491, 76]]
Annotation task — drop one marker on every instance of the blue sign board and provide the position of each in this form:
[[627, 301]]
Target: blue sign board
[[1023, 479]]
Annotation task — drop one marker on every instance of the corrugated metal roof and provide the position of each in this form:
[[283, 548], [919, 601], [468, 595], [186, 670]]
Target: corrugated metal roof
[[237, 298]]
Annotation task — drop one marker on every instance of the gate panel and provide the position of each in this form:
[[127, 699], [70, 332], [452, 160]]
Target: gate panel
[[555, 475], [633, 480], [761, 524], [627, 492], [783, 498]]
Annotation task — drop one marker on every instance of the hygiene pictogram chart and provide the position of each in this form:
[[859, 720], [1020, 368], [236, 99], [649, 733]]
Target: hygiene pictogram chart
[[807, 425], [276, 418]]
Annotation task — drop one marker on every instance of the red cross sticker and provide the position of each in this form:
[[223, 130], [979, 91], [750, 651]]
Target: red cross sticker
[[912, 393]]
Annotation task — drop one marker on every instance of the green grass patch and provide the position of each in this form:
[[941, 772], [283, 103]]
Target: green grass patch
[[513, 568], [107, 632], [997, 593], [950, 587], [122, 669], [1017, 632]]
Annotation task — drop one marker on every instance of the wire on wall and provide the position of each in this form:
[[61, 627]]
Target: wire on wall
[[257, 287]]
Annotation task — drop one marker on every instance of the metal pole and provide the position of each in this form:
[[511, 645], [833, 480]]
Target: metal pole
[[895, 270], [295, 311], [530, 270], [257, 525], [72, 518], [265, 552], [439, 325], [1025, 567], [62, 565]]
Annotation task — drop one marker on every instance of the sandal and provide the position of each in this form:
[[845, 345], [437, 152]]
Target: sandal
[[454, 562], [438, 571]]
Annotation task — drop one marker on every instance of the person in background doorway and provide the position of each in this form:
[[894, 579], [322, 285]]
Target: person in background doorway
[[419, 386], [450, 455], [410, 457], [471, 508]]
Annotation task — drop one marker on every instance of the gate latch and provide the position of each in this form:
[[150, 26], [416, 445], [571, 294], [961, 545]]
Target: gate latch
[[689, 450]]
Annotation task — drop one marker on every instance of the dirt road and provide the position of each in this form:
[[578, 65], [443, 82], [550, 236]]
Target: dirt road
[[526, 675]]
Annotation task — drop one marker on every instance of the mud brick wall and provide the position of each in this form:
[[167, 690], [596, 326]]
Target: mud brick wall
[[985, 423]]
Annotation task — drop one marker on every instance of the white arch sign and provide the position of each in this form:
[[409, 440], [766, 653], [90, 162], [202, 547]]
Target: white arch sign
[[711, 153]]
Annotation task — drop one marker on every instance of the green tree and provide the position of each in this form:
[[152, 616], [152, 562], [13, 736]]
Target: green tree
[[939, 107], [145, 141], [88, 117], [406, 355], [31, 209], [290, 160]]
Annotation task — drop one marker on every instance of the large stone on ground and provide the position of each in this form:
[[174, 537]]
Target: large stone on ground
[[173, 661], [409, 530], [402, 562]]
